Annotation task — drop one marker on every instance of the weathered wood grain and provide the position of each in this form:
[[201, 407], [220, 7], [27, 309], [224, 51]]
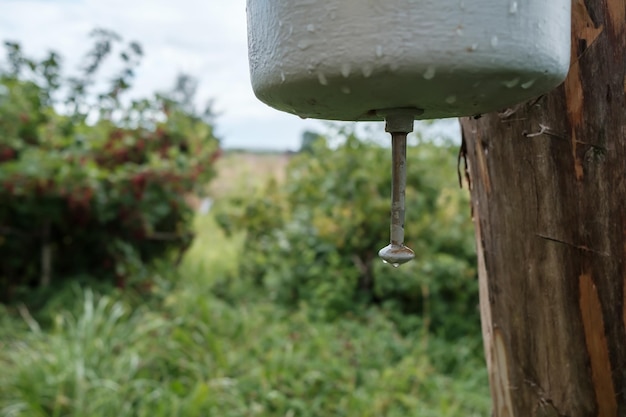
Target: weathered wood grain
[[548, 186]]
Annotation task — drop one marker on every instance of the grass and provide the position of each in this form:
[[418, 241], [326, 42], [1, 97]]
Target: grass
[[185, 350]]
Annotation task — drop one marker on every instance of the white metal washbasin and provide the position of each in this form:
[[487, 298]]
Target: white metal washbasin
[[401, 60], [347, 59]]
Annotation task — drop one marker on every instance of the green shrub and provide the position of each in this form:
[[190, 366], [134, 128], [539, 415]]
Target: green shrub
[[314, 239], [195, 355], [88, 184]]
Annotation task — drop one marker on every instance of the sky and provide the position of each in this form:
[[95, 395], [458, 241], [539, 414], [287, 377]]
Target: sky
[[206, 39]]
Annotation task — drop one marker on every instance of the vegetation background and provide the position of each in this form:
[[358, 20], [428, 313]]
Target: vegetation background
[[272, 303]]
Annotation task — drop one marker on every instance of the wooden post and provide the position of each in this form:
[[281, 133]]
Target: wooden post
[[548, 187]]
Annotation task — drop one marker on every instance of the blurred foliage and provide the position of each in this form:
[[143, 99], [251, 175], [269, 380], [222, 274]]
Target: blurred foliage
[[185, 352], [91, 182], [99, 358], [314, 240]]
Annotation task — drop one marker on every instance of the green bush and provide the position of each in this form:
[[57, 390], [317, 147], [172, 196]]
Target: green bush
[[195, 355], [314, 240], [88, 184]]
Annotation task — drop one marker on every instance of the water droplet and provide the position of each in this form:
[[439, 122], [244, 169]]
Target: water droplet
[[513, 7], [322, 78], [474, 47], [429, 74], [451, 99], [310, 27], [345, 70], [511, 83], [394, 264], [302, 44], [345, 89], [379, 51], [459, 30], [527, 84], [280, 23], [282, 77], [494, 41], [367, 70], [302, 117]]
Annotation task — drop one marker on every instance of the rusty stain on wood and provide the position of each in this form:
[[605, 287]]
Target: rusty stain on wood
[[595, 338], [583, 27], [616, 10], [574, 100]]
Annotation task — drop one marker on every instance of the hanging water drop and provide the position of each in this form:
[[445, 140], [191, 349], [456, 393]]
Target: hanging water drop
[[345, 70], [513, 7], [451, 99], [494, 41], [322, 78], [367, 70], [310, 27], [379, 51], [511, 83], [429, 74], [527, 84]]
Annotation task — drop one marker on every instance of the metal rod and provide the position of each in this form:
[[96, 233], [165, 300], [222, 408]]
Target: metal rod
[[398, 186], [396, 253]]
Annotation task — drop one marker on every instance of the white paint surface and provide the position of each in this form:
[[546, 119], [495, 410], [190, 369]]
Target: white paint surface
[[348, 59]]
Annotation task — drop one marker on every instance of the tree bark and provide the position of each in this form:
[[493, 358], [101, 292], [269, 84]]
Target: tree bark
[[548, 187]]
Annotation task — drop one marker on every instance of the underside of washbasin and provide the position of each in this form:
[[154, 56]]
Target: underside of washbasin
[[348, 59]]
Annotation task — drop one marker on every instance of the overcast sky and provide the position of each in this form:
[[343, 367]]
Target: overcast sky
[[203, 38]]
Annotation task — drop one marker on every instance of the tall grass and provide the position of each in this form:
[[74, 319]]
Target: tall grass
[[187, 352]]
